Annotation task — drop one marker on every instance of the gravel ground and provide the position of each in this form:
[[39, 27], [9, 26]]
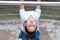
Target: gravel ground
[[10, 29]]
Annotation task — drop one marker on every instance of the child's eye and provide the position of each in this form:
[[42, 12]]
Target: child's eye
[[33, 26], [29, 26]]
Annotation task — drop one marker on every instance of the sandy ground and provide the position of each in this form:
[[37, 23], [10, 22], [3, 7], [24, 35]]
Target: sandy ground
[[10, 29]]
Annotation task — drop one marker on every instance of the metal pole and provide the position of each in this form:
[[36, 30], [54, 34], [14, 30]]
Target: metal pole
[[29, 3]]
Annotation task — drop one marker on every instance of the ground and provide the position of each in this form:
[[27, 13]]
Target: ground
[[10, 29]]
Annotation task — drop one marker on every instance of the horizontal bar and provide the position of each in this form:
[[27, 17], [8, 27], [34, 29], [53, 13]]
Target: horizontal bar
[[8, 14], [29, 3], [41, 15]]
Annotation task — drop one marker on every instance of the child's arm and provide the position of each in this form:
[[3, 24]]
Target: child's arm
[[22, 11], [21, 6], [38, 6], [38, 10]]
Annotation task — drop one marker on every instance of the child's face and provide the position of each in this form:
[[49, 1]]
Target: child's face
[[30, 24]]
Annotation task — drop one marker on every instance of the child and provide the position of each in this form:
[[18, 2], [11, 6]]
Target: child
[[29, 26]]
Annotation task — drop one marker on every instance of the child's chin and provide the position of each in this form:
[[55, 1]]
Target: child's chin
[[31, 30]]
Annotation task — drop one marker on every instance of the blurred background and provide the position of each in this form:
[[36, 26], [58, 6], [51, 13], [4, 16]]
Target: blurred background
[[49, 21], [8, 12]]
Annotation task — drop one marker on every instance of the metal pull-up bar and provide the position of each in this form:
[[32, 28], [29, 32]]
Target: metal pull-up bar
[[29, 3]]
